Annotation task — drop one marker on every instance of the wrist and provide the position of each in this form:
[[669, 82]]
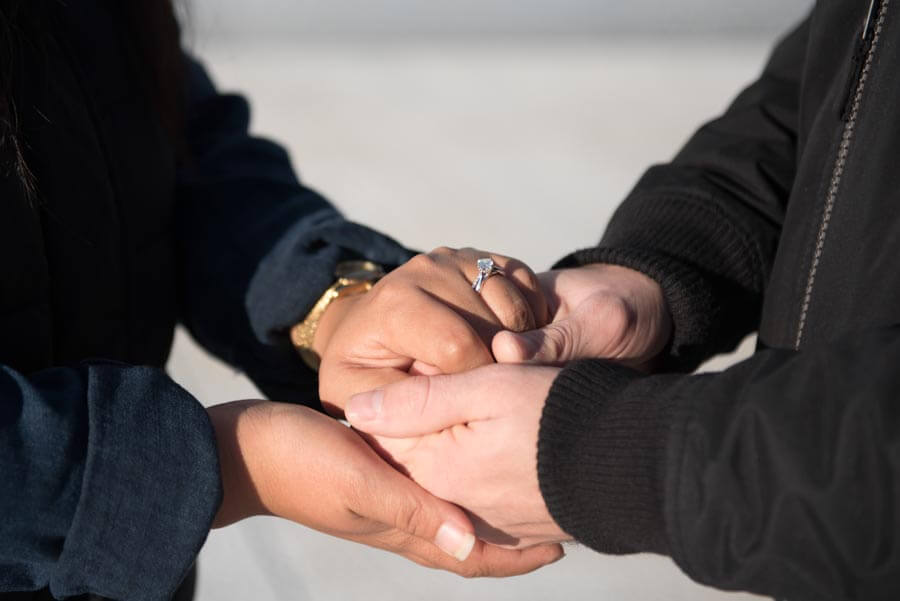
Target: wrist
[[236, 434], [353, 278], [330, 320]]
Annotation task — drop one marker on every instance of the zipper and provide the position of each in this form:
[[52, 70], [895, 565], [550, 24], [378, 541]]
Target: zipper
[[866, 48], [860, 51], [869, 28]]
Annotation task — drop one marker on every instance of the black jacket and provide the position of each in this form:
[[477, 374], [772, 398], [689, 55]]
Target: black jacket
[[781, 475], [108, 472]]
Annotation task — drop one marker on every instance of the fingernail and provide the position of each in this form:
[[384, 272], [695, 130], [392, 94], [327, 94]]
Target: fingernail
[[454, 541], [365, 407]]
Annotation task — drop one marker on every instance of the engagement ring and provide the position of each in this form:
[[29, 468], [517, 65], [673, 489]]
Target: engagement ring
[[486, 268]]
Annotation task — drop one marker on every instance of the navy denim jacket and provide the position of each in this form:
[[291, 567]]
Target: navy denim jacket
[[109, 475]]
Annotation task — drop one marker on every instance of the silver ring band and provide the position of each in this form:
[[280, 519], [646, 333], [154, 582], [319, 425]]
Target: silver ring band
[[486, 268]]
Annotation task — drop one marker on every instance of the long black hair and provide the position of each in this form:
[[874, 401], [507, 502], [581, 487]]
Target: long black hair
[[156, 44], [15, 20]]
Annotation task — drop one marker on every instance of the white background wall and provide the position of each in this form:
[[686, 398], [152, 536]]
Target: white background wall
[[454, 17]]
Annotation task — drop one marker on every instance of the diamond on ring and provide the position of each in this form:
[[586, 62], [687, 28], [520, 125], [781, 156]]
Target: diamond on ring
[[486, 268]]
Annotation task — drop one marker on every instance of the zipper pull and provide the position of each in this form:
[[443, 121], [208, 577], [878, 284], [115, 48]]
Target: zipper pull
[[869, 29], [859, 58]]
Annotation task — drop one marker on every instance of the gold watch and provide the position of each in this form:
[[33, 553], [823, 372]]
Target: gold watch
[[353, 277]]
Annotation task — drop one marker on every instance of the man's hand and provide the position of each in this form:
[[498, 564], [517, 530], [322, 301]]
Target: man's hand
[[423, 317], [598, 311], [290, 461], [470, 439]]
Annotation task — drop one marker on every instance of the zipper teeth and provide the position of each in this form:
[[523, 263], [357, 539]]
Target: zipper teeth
[[838, 172]]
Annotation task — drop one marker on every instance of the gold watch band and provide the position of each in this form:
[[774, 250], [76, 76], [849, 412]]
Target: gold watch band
[[353, 277]]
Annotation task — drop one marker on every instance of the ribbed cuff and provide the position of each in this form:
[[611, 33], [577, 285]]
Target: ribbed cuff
[[150, 491], [712, 270], [688, 295], [601, 456]]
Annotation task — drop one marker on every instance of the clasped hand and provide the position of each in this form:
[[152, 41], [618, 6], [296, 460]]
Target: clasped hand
[[423, 318], [471, 438], [417, 357]]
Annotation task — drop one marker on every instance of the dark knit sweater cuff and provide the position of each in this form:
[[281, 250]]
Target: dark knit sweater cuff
[[601, 456]]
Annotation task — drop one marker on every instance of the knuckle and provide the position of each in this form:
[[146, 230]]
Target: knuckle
[[401, 542], [531, 279], [407, 517], [424, 396], [454, 350], [422, 261], [407, 402], [522, 273], [516, 315], [443, 251], [388, 292], [557, 342], [357, 485]]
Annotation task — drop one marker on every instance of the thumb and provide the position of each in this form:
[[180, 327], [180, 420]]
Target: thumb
[[554, 344], [419, 405], [438, 530], [395, 500]]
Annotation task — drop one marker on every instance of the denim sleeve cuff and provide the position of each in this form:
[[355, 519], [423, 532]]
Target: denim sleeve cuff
[[286, 285], [150, 490], [292, 277]]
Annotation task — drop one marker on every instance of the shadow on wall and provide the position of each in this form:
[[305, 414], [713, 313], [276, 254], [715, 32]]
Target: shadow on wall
[[336, 18]]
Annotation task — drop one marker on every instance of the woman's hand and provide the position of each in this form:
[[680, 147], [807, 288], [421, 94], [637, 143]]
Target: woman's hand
[[598, 311], [423, 317], [470, 439], [290, 461]]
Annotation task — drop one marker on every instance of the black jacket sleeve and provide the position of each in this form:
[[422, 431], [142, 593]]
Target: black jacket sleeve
[[779, 476], [706, 225]]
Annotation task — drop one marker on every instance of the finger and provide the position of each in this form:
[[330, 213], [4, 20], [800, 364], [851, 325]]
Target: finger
[[509, 304], [555, 344], [440, 276], [521, 285], [598, 328], [529, 285], [400, 343], [487, 560], [548, 283], [494, 561], [419, 405], [429, 331], [346, 380], [393, 499], [420, 368]]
